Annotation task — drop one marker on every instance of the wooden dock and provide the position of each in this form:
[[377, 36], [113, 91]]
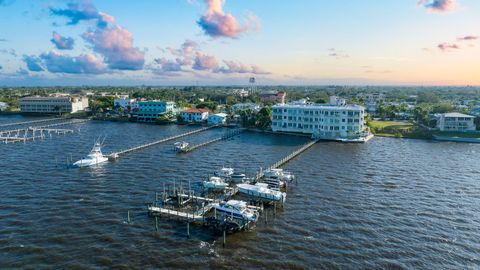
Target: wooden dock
[[116, 155], [37, 132], [30, 122], [286, 159], [227, 136]]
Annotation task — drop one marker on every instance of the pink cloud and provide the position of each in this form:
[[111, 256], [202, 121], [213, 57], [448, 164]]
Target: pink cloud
[[446, 47], [62, 43], [468, 38], [115, 44], [204, 62], [217, 23], [438, 5]]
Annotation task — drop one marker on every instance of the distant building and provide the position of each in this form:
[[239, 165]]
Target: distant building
[[240, 92], [148, 111], [275, 97], [245, 106], [53, 104], [124, 103], [475, 111], [455, 122], [217, 119], [3, 106], [194, 115], [371, 97], [336, 120]]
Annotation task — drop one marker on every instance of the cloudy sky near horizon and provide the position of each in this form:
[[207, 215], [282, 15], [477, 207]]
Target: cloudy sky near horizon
[[217, 42]]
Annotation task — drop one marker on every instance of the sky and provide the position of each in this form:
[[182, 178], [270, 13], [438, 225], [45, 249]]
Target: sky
[[225, 42]]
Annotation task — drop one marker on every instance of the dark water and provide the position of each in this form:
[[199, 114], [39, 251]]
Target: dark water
[[390, 203]]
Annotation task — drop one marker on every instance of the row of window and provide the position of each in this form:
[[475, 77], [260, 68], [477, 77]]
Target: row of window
[[308, 119], [316, 112], [309, 126]]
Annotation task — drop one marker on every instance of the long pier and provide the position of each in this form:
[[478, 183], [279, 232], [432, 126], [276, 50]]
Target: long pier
[[116, 155], [30, 133], [224, 137], [286, 159], [30, 122]]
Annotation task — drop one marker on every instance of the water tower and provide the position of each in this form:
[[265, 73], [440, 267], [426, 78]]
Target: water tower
[[253, 85]]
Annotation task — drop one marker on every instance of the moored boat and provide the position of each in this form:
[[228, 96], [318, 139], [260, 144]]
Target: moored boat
[[215, 183], [95, 157], [224, 172], [180, 146], [237, 210], [261, 191]]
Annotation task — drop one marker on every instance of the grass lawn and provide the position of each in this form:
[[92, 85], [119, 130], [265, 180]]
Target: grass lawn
[[391, 125]]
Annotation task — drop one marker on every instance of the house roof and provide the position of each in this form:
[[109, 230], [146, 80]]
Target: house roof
[[456, 114], [195, 110]]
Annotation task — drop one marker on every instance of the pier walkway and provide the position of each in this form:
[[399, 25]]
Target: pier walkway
[[227, 136], [116, 155], [286, 159], [37, 132], [30, 122]]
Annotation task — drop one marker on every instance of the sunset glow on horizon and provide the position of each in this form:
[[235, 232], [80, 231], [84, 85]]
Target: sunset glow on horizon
[[224, 42]]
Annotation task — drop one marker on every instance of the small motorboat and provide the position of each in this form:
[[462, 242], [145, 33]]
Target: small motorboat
[[238, 177], [237, 210], [215, 183], [95, 157], [224, 172], [261, 191], [279, 174], [180, 146]]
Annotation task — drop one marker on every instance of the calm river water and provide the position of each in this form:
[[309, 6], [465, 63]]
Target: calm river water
[[390, 203]]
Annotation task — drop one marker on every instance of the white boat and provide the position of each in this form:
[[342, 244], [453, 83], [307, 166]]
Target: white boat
[[261, 191], [279, 174], [224, 172], [238, 177], [95, 157], [215, 183], [237, 210], [180, 146]]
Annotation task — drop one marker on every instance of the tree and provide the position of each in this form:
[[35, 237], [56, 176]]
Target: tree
[[211, 105], [264, 118]]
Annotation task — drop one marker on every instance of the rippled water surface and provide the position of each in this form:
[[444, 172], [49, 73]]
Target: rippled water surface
[[390, 203]]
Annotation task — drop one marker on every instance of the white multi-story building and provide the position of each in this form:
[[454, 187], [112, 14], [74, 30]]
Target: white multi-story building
[[455, 122], [54, 104], [337, 120], [124, 103], [149, 111]]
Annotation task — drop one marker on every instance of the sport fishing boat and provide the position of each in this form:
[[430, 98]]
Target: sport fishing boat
[[237, 210], [180, 146], [261, 191], [215, 183], [95, 157]]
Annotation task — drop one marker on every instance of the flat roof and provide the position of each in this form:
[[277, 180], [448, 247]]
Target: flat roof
[[456, 114]]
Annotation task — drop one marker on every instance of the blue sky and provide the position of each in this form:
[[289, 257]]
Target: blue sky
[[215, 42]]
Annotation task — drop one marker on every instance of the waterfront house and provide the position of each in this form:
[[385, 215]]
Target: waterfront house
[[3, 106], [245, 106], [149, 111], [217, 119], [53, 104], [336, 120], [455, 122], [193, 115]]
